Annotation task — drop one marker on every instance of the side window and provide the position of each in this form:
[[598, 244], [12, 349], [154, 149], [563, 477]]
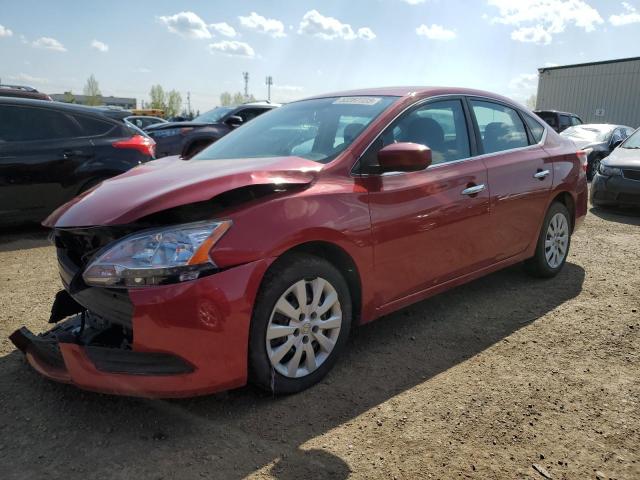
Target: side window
[[500, 127], [249, 113], [93, 127], [537, 130], [439, 125], [21, 124], [565, 122], [576, 121]]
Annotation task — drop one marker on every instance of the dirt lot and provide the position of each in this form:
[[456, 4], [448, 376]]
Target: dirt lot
[[481, 382]]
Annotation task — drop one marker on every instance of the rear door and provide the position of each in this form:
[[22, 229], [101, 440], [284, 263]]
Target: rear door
[[519, 170], [39, 150], [428, 226]]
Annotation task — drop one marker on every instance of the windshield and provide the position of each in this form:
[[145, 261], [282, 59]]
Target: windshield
[[213, 115], [633, 141], [316, 129], [591, 133]]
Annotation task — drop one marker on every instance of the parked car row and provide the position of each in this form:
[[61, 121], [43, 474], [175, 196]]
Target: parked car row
[[254, 259]]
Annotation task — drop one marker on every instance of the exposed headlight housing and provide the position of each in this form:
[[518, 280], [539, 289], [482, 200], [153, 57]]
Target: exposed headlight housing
[[158, 256], [609, 171]]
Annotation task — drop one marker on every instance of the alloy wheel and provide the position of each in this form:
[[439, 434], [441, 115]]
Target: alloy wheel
[[304, 327], [557, 240]]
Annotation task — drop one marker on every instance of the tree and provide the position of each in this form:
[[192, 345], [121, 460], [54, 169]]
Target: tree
[[225, 99], [531, 101], [92, 91], [174, 104], [158, 97], [238, 98], [69, 97]]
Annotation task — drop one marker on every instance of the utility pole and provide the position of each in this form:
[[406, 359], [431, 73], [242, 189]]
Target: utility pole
[[269, 82], [189, 103], [245, 75]]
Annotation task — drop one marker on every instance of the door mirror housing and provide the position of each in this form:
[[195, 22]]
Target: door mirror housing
[[234, 121], [404, 157]]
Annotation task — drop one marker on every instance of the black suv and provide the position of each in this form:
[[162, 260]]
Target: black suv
[[50, 152], [559, 121], [188, 138]]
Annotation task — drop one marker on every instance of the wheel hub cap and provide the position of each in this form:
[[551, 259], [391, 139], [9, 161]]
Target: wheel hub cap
[[304, 327], [557, 240]]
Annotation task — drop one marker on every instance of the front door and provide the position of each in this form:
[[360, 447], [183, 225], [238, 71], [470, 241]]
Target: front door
[[428, 226]]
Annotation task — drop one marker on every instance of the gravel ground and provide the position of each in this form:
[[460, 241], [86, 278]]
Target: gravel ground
[[484, 381]]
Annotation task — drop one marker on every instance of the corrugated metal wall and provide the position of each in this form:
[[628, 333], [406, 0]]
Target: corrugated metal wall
[[604, 93]]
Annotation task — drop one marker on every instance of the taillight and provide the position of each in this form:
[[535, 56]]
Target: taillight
[[141, 143], [583, 156]]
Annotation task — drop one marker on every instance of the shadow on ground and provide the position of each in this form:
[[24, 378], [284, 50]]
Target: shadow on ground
[[54, 431], [626, 215], [23, 237]]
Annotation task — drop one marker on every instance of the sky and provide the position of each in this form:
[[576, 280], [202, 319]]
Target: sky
[[307, 46]]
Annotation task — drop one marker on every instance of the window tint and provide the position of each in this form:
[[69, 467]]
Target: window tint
[[439, 125], [537, 130], [576, 121], [93, 127], [249, 113], [20, 124], [549, 117], [500, 127], [565, 121]]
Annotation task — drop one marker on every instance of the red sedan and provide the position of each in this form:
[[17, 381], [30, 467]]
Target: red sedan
[[254, 259]]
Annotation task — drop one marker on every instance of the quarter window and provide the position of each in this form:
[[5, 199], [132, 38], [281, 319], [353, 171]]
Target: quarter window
[[441, 126], [23, 124], [537, 130], [500, 127]]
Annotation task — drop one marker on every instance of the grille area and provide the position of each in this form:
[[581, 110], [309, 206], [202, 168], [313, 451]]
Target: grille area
[[631, 174]]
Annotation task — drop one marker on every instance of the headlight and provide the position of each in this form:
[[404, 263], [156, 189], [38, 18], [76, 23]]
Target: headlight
[[155, 257], [609, 171]]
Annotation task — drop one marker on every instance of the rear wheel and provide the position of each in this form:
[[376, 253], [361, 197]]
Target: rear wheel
[[553, 243], [300, 324]]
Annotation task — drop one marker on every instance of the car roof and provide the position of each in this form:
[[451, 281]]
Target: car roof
[[414, 91], [68, 107]]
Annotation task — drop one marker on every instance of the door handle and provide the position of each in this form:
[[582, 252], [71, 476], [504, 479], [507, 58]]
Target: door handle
[[541, 174], [473, 190]]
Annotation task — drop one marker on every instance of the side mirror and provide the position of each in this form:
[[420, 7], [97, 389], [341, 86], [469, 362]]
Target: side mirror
[[234, 121], [404, 157], [615, 143]]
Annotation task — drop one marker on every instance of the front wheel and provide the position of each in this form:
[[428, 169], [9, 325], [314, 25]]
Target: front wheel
[[300, 324], [553, 243]]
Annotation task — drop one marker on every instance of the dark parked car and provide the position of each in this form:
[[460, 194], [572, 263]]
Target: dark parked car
[[188, 138], [21, 91], [559, 121], [598, 140], [50, 152], [254, 259], [617, 181]]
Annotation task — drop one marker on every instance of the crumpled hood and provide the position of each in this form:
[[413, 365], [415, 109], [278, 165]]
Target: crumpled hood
[[582, 144], [171, 182]]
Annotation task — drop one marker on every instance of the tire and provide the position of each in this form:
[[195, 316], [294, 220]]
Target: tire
[[269, 367], [195, 148], [593, 168], [544, 264]]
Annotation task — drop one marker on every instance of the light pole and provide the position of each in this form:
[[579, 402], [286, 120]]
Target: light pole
[[245, 75], [269, 82]]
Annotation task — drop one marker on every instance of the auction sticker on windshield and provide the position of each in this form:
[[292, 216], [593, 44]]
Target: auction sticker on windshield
[[357, 101]]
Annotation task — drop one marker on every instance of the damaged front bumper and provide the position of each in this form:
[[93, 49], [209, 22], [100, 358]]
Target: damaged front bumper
[[167, 341]]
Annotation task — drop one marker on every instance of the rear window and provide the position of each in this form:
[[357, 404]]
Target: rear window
[[23, 124], [550, 118]]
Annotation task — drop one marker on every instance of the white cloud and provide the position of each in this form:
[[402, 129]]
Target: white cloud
[[25, 77], [233, 48], [630, 16], [538, 20], [315, 24], [366, 33], [224, 29], [100, 46], [261, 24], [535, 34], [288, 88], [5, 32], [186, 24], [414, 2], [435, 32], [142, 70], [49, 44], [527, 82]]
